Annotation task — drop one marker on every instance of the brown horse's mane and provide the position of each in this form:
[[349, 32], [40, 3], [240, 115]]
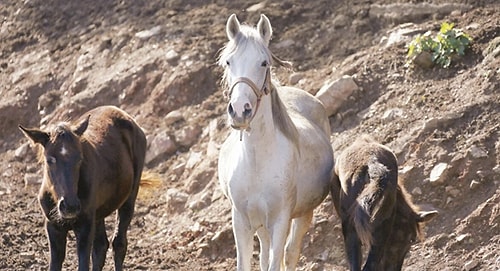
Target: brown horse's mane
[[407, 209]]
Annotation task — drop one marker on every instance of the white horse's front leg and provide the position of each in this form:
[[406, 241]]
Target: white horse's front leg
[[265, 244], [300, 226], [243, 236], [279, 233]]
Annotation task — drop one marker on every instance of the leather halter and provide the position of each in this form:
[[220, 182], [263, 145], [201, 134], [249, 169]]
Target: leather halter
[[259, 92]]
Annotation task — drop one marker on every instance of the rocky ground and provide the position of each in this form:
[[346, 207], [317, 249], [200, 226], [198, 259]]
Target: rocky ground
[[157, 60]]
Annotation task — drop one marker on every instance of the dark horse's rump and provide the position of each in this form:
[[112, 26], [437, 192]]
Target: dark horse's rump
[[92, 167], [374, 208]]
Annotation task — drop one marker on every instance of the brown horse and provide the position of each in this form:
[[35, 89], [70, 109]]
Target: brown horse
[[374, 208], [91, 168]]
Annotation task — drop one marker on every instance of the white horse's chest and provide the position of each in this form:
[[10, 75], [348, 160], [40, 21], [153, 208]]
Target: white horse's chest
[[257, 178]]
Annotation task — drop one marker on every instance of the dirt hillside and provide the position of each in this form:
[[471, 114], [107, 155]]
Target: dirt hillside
[[157, 61]]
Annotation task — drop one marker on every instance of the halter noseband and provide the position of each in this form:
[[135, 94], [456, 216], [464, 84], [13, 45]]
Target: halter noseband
[[259, 92]]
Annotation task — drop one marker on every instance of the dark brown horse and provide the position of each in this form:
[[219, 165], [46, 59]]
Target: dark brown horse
[[91, 168], [374, 208]]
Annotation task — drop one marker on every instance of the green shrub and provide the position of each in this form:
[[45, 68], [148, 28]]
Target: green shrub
[[445, 46]]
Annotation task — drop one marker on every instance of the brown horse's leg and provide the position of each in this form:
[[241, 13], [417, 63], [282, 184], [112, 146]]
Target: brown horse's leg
[[84, 233], [125, 214], [100, 246], [57, 239]]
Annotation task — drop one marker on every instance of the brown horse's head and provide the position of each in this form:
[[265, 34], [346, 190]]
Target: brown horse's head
[[407, 229], [62, 154]]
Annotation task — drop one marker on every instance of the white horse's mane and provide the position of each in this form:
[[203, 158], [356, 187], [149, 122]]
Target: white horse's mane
[[246, 35]]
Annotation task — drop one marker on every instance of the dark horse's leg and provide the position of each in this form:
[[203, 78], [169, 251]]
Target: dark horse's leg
[[352, 245], [100, 246], [57, 239], [125, 214], [84, 231]]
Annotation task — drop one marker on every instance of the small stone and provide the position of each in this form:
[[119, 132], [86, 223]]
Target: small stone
[[295, 78], [32, 179], [474, 184], [438, 173], [172, 56], [148, 33], [172, 117], [21, 151], [417, 191], [470, 265], [478, 152], [452, 191]]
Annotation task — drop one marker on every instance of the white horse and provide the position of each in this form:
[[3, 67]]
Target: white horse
[[277, 162]]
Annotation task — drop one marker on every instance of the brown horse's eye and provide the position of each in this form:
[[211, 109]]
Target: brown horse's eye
[[51, 160]]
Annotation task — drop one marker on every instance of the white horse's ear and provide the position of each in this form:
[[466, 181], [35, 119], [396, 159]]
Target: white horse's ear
[[232, 26], [264, 28]]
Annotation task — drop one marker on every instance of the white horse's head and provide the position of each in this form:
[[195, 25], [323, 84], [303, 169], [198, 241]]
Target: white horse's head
[[247, 61]]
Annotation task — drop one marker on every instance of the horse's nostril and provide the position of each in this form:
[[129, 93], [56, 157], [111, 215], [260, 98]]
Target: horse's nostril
[[69, 209], [248, 110], [230, 110]]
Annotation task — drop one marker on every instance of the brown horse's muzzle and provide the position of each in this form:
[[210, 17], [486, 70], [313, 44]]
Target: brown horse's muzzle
[[68, 209]]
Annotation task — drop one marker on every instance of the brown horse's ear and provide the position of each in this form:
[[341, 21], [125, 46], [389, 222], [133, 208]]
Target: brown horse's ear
[[425, 216], [82, 126], [36, 135]]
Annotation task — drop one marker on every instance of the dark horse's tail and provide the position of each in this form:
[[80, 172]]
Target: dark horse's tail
[[374, 203]]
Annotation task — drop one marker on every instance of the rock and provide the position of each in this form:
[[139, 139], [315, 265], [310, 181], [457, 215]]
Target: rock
[[424, 60], [474, 184], [145, 34], [392, 114], [417, 191], [175, 200], [470, 265], [295, 78], [333, 94], [173, 116], [32, 179], [161, 144], [341, 21], [201, 202], [406, 12], [438, 173], [172, 57], [477, 152], [22, 151], [188, 136], [257, 7], [400, 34], [452, 191], [194, 159]]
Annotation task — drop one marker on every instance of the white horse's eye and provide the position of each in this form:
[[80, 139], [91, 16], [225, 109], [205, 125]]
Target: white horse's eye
[[264, 63], [227, 62]]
